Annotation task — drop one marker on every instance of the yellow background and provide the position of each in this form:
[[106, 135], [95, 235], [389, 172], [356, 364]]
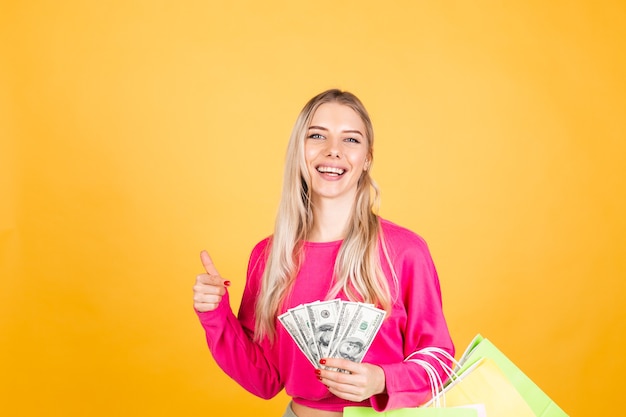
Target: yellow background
[[136, 133]]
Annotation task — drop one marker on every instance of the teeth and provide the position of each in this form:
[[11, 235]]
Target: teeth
[[331, 170]]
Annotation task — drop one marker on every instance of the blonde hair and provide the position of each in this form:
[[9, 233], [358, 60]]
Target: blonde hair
[[357, 269]]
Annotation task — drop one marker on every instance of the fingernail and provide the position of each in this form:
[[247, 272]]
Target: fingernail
[[227, 283], [323, 361], [319, 377], [318, 372]]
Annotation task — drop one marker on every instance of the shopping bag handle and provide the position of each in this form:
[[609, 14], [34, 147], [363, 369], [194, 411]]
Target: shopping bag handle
[[436, 383], [433, 352]]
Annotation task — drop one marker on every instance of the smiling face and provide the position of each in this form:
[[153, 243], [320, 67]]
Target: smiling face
[[337, 152]]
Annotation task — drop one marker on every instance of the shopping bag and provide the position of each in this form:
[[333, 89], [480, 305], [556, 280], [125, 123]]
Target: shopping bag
[[485, 383], [538, 401], [436, 386]]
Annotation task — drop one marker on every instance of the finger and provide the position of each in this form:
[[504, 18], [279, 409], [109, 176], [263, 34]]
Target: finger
[[342, 386], [345, 364], [336, 379], [209, 284], [204, 307], [207, 262], [344, 391], [200, 298], [211, 280], [348, 386]]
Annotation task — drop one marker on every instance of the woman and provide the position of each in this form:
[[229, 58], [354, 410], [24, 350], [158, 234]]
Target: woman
[[329, 243]]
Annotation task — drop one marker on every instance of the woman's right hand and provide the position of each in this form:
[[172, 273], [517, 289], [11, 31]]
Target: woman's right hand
[[209, 287]]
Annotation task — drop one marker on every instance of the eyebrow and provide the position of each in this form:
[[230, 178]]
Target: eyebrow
[[343, 131]]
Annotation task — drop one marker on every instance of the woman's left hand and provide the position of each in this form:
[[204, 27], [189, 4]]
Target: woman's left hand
[[362, 381]]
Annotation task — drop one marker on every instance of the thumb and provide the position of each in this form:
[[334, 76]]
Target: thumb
[[207, 262]]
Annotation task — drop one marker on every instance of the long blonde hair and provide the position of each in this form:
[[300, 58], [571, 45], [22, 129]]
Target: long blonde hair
[[357, 269]]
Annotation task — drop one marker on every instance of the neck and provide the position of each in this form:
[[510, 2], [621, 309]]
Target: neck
[[330, 219]]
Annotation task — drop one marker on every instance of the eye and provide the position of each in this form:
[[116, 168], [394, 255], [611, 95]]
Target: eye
[[352, 140], [316, 136]]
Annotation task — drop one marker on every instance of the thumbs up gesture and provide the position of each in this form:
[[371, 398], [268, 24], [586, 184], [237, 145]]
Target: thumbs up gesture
[[209, 287]]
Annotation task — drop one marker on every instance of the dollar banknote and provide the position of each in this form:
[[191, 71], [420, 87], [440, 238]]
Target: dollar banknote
[[323, 317], [333, 329], [360, 333], [303, 322], [346, 313], [289, 323]]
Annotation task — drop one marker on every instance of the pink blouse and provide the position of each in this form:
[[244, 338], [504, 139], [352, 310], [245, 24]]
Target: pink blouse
[[416, 321]]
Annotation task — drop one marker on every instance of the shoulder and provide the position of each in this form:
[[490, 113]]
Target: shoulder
[[407, 253], [258, 257], [260, 249], [400, 237], [404, 246]]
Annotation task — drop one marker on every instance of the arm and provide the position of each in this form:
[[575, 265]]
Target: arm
[[407, 384], [230, 340], [417, 321]]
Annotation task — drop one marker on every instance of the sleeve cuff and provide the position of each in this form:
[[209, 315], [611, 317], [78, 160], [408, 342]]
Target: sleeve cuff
[[396, 394]]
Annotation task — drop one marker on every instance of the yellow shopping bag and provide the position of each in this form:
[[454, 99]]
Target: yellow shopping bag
[[484, 383], [539, 402]]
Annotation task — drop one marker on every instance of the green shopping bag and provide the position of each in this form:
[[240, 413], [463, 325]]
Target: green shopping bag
[[411, 412], [538, 401]]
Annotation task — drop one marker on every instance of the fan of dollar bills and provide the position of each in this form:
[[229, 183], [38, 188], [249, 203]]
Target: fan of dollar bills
[[333, 329]]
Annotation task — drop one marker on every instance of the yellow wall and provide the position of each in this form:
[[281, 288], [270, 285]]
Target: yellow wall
[[136, 133]]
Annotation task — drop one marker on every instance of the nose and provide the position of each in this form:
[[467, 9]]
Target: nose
[[333, 148]]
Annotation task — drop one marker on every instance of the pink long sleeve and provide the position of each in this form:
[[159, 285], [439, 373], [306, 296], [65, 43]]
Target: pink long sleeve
[[416, 321], [235, 352]]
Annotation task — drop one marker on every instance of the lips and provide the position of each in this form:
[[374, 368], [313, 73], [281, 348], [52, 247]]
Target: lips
[[334, 171]]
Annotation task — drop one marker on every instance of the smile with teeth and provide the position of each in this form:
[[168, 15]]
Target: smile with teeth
[[331, 170]]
